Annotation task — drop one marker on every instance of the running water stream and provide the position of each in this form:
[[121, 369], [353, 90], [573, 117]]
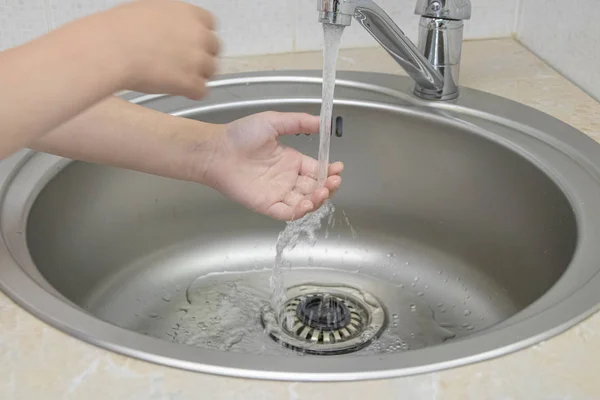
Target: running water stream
[[311, 223], [333, 37]]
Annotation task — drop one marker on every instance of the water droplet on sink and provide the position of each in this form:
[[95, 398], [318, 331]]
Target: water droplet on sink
[[413, 307], [391, 255], [395, 316], [167, 297], [467, 313], [420, 294]]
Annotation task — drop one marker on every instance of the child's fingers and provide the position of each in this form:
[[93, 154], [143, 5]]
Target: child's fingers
[[333, 182], [319, 196], [309, 167], [305, 184], [293, 123], [293, 198], [301, 209], [336, 168]]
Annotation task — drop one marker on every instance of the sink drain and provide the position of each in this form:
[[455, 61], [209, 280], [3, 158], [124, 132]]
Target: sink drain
[[325, 320], [324, 313]]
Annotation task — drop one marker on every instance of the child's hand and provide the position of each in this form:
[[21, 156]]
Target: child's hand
[[250, 166], [162, 46]]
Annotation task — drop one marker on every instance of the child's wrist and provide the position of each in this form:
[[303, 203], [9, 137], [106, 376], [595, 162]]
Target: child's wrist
[[204, 143]]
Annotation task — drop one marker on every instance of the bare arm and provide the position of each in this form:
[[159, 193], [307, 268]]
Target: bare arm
[[56, 98], [121, 134], [32, 103], [151, 46], [243, 159]]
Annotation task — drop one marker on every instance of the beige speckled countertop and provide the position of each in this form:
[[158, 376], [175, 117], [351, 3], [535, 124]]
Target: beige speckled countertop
[[39, 362]]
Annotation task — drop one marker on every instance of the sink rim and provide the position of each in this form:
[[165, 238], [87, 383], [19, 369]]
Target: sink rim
[[52, 308]]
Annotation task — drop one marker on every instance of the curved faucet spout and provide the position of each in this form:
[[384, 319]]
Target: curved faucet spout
[[433, 64], [398, 45]]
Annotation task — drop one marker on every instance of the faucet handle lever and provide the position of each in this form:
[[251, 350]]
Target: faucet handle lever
[[444, 9]]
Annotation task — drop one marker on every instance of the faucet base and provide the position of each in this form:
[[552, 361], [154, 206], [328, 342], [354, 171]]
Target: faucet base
[[434, 95]]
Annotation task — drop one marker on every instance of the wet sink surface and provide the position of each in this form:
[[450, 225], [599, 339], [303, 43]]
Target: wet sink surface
[[472, 224]]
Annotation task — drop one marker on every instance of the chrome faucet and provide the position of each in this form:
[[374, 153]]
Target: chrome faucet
[[435, 63]]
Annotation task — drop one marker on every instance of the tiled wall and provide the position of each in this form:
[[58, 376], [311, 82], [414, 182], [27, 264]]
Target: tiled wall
[[565, 34], [250, 26]]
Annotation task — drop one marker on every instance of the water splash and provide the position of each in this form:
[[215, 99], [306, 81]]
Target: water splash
[[306, 227]]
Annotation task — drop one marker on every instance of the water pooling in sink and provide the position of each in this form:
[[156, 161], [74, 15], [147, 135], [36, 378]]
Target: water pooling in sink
[[222, 310]]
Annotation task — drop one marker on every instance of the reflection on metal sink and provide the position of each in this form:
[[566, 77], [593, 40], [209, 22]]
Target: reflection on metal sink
[[471, 226]]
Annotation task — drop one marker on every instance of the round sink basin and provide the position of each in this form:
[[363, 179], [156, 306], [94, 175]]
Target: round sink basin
[[463, 231]]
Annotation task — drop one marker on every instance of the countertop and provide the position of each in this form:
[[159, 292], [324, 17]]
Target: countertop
[[39, 362]]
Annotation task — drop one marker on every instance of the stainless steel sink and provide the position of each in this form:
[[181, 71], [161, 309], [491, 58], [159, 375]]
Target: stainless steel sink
[[472, 225]]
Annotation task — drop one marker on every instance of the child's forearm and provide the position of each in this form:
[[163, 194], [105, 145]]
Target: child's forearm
[[48, 81], [121, 134], [146, 46]]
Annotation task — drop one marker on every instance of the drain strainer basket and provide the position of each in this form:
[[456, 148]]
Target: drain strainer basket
[[325, 320]]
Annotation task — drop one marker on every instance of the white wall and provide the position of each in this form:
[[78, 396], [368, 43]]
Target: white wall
[[565, 33], [562, 32], [251, 26]]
